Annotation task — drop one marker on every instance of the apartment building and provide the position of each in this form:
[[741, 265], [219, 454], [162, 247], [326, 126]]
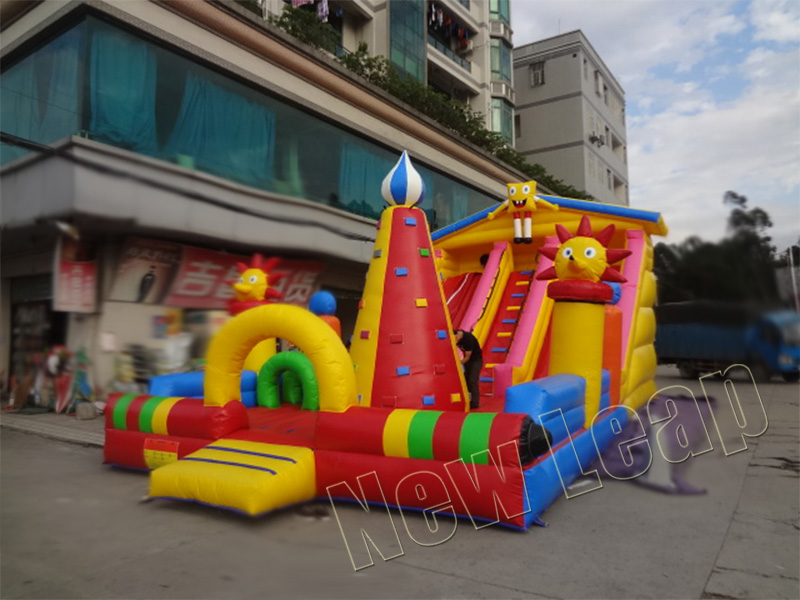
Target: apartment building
[[146, 145], [461, 48], [570, 115]]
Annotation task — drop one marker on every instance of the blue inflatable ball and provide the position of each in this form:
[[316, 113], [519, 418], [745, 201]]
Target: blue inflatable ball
[[322, 303]]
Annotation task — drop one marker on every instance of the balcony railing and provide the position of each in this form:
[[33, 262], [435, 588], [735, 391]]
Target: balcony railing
[[464, 64]]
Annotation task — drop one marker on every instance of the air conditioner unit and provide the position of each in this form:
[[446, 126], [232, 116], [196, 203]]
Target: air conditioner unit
[[498, 88]]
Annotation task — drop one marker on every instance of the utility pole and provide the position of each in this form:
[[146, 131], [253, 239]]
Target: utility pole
[[794, 280]]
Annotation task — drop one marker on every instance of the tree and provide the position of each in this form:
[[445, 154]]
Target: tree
[[740, 268]]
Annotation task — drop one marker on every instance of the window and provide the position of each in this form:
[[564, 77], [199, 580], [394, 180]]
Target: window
[[517, 126], [609, 179], [607, 136], [502, 119], [537, 74], [407, 45], [585, 69], [605, 94], [501, 60], [147, 99], [499, 10]]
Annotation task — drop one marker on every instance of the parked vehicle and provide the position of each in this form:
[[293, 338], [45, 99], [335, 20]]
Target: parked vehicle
[[701, 337]]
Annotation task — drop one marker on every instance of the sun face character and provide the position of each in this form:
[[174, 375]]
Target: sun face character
[[255, 280], [522, 201], [583, 256]]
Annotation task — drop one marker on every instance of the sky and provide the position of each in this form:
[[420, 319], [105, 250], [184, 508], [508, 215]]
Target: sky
[[712, 91]]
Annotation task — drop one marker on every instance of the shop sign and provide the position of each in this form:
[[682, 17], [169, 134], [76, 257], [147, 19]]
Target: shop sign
[[156, 272], [146, 269], [75, 277], [201, 279]]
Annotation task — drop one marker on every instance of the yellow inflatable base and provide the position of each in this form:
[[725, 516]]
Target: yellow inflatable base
[[250, 477]]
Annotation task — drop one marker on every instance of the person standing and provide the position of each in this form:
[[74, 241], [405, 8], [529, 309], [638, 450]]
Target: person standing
[[472, 360]]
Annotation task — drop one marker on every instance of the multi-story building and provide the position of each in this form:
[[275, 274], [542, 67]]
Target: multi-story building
[[460, 48], [169, 135], [570, 115]]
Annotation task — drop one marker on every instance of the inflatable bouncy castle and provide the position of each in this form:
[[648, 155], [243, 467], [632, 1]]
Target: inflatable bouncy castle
[[559, 294]]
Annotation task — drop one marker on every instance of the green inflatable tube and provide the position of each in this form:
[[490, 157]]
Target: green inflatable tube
[[299, 367]]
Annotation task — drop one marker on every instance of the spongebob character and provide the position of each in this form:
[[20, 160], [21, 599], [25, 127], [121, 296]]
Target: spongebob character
[[521, 203]]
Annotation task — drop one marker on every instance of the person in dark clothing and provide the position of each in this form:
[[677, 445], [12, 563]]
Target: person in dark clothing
[[473, 363]]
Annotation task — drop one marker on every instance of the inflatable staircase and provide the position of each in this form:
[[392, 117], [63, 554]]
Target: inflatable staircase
[[504, 327], [251, 477]]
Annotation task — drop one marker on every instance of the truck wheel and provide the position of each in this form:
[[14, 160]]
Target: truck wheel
[[686, 371], [791, 377], [760, 371]]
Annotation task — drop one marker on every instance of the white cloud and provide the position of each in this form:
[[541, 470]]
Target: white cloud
[[776, 20], [685, 148]]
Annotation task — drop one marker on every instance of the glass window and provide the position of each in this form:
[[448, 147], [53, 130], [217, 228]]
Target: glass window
[[41, 95], [502, 118], [499, 9], [127, 92], [407, 41], [501, 60], [537, 74]]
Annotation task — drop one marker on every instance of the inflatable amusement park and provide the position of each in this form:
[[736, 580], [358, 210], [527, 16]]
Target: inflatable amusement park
[[559, 294]]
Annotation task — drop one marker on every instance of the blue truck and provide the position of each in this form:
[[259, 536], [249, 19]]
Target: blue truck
[[701, 337]]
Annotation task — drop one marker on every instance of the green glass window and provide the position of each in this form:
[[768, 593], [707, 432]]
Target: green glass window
[[407, 39], [125, 91], [503, 119], [501, 60], [499, 10]]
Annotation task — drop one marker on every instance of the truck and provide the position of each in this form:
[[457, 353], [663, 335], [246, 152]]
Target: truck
[[703, 336]]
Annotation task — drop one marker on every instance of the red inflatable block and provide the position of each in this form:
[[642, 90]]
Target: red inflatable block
[[189, 418], [127, 448], [355, 430]]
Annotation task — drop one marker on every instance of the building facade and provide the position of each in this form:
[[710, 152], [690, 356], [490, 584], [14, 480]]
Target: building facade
[[460, 48], [570, 115], [145, 145]]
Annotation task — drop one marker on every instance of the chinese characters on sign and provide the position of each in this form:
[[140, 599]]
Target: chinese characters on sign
[[75, 285], [187, 277]]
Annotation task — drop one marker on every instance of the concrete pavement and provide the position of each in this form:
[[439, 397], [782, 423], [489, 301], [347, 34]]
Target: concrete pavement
[[72, 528]]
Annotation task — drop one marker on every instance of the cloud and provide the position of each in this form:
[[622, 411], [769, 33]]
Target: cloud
[[776, 20], [712, 101]]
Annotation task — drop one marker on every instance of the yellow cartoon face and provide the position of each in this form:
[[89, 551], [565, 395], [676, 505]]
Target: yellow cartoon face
[[521, 195], [581, 258], [251, 285]]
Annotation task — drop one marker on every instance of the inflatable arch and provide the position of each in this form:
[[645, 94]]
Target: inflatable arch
[[314, 337]]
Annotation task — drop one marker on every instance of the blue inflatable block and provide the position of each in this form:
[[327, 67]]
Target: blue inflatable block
[[617, 289], [605, 381], [554, 423], [249, 399], [543, 481], [190, 385], [538, 397], [605, 400]]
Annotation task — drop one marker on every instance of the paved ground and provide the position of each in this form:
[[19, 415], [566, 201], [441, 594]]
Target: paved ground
[[72, 528]]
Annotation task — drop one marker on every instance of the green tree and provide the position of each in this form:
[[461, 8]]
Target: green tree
[[458, 118], [740, 268]]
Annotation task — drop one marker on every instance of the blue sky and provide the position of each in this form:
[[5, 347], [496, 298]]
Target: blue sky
[[712, 93]]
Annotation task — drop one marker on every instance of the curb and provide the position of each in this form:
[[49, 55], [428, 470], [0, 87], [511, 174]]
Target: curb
[[56, 432]]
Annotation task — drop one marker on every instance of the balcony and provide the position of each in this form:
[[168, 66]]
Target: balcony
[[461, 62]]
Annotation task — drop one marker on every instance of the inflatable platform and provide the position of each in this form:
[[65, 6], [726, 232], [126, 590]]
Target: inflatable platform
[[558, 292]]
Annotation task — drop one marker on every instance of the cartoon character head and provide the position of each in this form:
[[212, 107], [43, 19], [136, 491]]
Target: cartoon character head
[[255, 280], [521, 196], [583, 256]]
